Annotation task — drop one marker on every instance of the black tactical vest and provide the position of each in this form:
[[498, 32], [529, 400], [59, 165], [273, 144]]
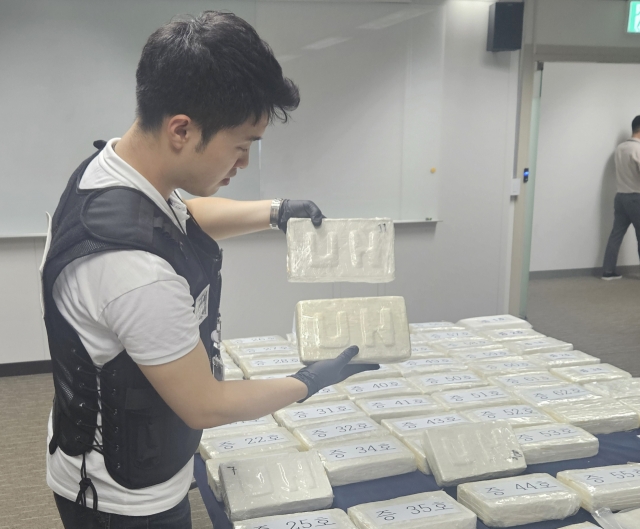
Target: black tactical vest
[[144, 442]]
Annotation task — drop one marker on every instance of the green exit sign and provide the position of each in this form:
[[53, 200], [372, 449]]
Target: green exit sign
[[634, 18]]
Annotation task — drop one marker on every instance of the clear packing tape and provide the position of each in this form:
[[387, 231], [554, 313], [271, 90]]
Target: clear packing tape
[[332, 518], [622, 388], [628, 519], [555, 442], [519, 500], [358, 250], [427, 510]]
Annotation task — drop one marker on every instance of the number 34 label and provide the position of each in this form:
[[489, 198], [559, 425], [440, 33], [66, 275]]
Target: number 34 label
[[412, 511]]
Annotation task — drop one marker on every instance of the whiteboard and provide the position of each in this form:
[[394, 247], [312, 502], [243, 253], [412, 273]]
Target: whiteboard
[[361, 144]]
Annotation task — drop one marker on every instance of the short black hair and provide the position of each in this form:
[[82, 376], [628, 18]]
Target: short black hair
[[213, 68], [635, 125]]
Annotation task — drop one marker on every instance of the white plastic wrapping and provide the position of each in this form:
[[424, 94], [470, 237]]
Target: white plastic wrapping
[[433, 326], [555, 442], [233, 374], [337, 431], [449, 336], [254, 341], [622, 388], [510, 366], [487, 323], [298, 415], [564, 359], [385, 371], [482, 355], [546, 395], [379, 388], [519, 500], [427, 510], [595, 416], [415, 426], [424, 351], [377, 325], [291, 337], [272, 376], [263, 423], [262, 350], [471, 452], [539, 345], [514, 414], [512, 335], [616, 487], [414, 443], [424, 366], [597, 373], [474, 398], [213, 466], [448, 381], [266, 365], [248, 443], [472, 344], [270, 486], [401, 406], [355, 461], [359, 250], [328, 394], [332, 518], [633, 403], [537, 380], [628, 519]]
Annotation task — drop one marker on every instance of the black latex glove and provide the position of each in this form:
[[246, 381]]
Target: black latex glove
[[328, 372], [298, 209]]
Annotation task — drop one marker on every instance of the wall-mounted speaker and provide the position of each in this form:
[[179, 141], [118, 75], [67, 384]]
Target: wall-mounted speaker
[[505, 26]]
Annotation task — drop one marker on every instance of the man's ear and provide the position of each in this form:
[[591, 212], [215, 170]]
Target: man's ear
[[180, 131]]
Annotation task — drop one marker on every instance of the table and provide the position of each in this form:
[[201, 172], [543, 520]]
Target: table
[[615, 449]]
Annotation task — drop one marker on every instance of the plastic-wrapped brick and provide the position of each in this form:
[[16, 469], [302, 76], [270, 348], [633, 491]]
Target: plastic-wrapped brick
[[597, 373], [555, 442], [449, 336], [385, 371], [355, 461], [328, 394], [414, 443], [539, 345], [475, 398], [514, 414], [434, 326], [449, 380], [400, 406], [520, 500], [512, 335], [536, 380], [379, 388], [471, 452], [424, 366], [487, 323], [355, 250], [233, 374], [270, 486], [564, 359], [622, 388], [266, 365], [377, 325], [547, 395], [263, 423], [330, 432], [628, 519], [261, 351], [474, 344], [424, 351], [298, 415], [415, 426], [616, 487], [213, 466], [482, 355], [333, 518], [633, 403], [251, 442], [510, 366], [427, 510], [596, 416], [254, 341]]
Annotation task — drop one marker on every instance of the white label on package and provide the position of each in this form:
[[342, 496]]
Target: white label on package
[[254, 422], [340, 429], [475, 395], [369, 387], [433, 325], [256, 339], [268, 349], [449, 335], [436, 380], [485, 354], [561, 393], [588, 370], [329, 390], [511, 333], [501, 366], [561, 355], [320, 411], [467, 344], [607, 477], [295, 522], [412, 511], [421, 349], [547, 433], [429, 422], [520, 488], [525, 380], [283, 360], [428, 362], [358, 450], [506, 412], [238, 443], [407, 402]]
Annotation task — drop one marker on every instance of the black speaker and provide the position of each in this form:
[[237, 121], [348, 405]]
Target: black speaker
[[505, 26]]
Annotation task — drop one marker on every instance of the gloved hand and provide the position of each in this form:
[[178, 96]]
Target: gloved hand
[[328, 372], [298, 209]]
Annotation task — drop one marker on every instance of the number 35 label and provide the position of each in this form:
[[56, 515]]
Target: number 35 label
[[412, 511]]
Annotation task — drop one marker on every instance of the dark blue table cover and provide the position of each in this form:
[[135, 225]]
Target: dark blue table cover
[[615, 449]]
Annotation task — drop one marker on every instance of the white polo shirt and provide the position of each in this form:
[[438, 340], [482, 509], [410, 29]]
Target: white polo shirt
[[118, 300]]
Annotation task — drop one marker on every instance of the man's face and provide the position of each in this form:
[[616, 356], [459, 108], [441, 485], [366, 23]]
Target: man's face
[[214, 166]]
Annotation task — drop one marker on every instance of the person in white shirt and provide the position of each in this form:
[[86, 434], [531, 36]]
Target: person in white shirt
[[627, 201], [131, 280]]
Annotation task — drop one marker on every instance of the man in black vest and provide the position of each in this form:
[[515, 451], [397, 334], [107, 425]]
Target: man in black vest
[[131, 281]]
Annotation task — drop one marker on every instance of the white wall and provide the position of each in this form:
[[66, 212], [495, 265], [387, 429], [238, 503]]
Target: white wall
[[455, 270], [586, 110]]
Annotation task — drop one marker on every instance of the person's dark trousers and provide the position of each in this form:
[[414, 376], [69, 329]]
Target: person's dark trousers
[[76, 516], [626, 212]]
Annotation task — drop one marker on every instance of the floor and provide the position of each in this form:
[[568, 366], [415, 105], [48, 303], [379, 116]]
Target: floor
[[598, 317]]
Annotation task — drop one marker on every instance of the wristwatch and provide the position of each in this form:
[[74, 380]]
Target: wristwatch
[[275, 212]]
